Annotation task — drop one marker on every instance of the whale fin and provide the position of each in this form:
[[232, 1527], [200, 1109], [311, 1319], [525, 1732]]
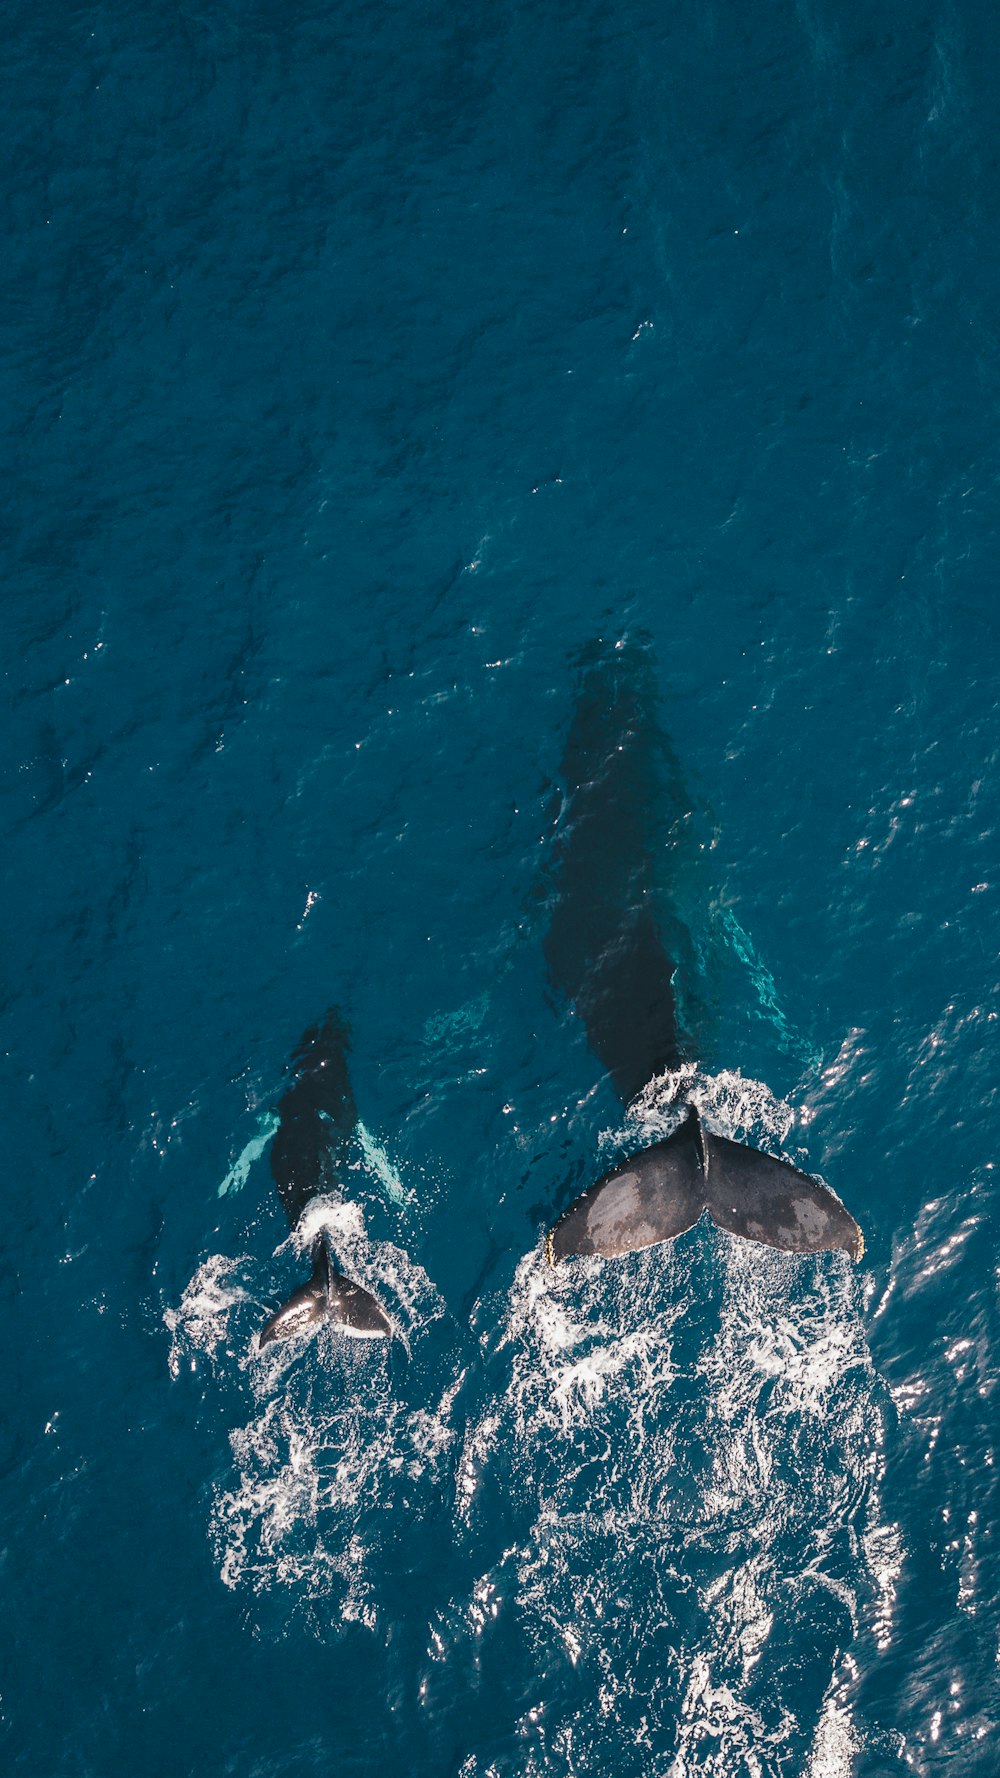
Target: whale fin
[[328, 1296], [653, 1196], [661, 1192], [353, 1310], [764, 1199]]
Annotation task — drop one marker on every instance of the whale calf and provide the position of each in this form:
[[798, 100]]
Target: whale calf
[[316, 1118], [613, 949]]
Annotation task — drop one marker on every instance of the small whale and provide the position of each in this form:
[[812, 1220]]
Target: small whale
[[607, 953], [316, 1118]]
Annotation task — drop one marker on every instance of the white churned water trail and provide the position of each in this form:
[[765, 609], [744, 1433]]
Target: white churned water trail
[[684, 1448], [695, 1435], [331, 1443]]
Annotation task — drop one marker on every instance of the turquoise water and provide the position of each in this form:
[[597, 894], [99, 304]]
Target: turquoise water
[[358, 367]]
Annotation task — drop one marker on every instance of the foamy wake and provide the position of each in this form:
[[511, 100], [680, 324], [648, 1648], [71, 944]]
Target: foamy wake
[[324, 1472], [200, 1322], [731, 1104], [695, 1434], [666, 1481], [331, 1448]]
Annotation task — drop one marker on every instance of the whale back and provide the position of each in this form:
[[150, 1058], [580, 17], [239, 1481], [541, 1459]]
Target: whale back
[[624, 823], [317, 1115], [316, 1118], [624, 816]]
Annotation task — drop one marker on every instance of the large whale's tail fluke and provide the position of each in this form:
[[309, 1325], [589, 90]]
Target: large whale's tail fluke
[[663, 1190], [328, 1296], [766, 1199]]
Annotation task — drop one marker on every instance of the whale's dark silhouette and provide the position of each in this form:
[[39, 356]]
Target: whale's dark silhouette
[[317, 1115], [607, 951]]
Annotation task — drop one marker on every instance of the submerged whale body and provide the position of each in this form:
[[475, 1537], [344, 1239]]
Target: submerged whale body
[[317, 1115], [607, 952]]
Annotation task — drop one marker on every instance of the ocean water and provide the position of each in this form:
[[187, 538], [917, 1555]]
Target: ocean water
[[359, 365]]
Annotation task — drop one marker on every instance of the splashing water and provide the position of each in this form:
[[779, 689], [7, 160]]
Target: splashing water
[[730, 1103], [327, 1472], [201, 1321], [714, 1372], [708, 1636], [334, 1457]]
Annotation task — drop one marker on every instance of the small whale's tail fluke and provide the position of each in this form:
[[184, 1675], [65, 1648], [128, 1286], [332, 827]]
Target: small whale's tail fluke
[[663, 1190], [328, 1296]]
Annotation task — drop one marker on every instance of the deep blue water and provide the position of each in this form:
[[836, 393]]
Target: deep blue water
[[359, 364]]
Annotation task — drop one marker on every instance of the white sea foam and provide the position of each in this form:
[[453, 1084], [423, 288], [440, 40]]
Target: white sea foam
[[332, 1456], [695, 1435], [332, 1446], [687, 1443], [730, 1103], [836, 1743], [201, 1320]]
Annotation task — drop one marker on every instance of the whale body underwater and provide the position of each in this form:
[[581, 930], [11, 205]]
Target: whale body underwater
[[624, 813], [614, 950], [316, 1119]]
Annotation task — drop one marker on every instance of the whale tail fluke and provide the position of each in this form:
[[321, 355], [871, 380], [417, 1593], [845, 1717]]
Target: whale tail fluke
[[766, 1199], [328, 1296], [663, 1190], [654, 1196]]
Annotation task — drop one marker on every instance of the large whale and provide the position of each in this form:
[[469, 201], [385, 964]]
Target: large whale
[[614, 948], [316, 1118]]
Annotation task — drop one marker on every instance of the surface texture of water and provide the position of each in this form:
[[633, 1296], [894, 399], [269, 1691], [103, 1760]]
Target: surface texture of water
[[359, 365]]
